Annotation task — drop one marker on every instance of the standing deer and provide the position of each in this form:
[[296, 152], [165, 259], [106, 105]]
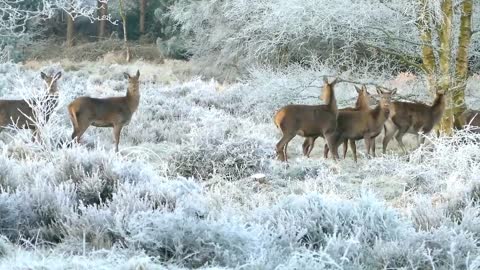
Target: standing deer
[[308, 120], [22, 114], [412, 118], [362, 104], [113, 112], [356, 125]]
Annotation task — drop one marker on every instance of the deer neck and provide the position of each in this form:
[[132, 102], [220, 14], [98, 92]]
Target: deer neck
[[361, 104], [438, 107], [331, 101], [133, 97], [380, 114]]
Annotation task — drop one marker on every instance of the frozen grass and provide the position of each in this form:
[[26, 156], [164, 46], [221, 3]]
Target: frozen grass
[[180, 194]]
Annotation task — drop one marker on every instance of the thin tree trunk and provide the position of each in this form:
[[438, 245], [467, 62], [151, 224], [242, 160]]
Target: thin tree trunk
[[124, 24], [461, 65], [102, 23], [445, 55], [70, 31], [142, 16], [428, 57]]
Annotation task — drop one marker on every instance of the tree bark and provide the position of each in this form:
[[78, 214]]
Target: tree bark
[[102, 24], [125, 38], [142, 16], [445, 55], [70, 31], [461, 65], [428, 57]]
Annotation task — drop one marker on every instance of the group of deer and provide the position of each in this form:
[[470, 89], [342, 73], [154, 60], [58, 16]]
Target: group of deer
[[345, 125], [114, 112]]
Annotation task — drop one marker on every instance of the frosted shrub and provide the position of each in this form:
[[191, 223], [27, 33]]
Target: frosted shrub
[[180, 193], [232, 159], [311, 221], [35, 213], [192, 242]]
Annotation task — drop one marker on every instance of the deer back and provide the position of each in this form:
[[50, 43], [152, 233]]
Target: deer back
[[310, 120], [416, 117]]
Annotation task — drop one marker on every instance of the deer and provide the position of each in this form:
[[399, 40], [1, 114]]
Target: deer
[[21, 113], [367, 124], [308, 120], [362, 104], [112, 112], [413, 118]]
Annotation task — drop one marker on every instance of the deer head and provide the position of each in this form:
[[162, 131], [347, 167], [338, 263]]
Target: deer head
[[385, 98], [51, 82]]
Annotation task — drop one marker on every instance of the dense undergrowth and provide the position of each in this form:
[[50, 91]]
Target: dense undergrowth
[[180, 194]]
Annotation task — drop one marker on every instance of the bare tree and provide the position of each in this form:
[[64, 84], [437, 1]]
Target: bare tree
[[124, 25], [143, 4], [428, 37], [103, 15]]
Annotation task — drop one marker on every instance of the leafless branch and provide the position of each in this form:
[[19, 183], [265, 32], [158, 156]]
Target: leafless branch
[[402, 57]]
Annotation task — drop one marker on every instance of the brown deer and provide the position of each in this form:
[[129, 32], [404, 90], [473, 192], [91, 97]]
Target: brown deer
[[362, 104], [114, 112], [412, 118], [22, 114], [308, 120], [356, 125]]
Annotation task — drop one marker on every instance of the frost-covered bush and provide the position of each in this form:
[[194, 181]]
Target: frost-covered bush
[[196, 183], [192, 241], [228, 36]]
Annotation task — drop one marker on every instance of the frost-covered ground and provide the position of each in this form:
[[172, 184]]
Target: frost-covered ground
[[180, 194]]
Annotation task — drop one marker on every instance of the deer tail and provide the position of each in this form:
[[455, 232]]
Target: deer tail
[[73, 116], [279, 118]]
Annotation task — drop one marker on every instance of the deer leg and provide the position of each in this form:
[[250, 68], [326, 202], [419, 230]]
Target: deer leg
[[116, 133], [311, 144], [373, 146], [305, 145], [78, 132], [345, 148], [367, 144], [389, 132], [282, 146], [332, 145], [354, 150], [399, 138], [325, 151]]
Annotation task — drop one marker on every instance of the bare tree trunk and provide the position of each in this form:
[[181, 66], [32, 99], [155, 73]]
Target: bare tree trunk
[[428, 57], [142, 16], [102, 24], [124, 24], [445, 55], [461, 65], [70, 31]]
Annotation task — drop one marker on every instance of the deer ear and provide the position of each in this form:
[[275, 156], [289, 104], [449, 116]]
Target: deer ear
[[126, 75], [58, 75], [364, 88], [43, 75], [325, 80], [138, 73], [394, 91], [379, 91], [334, 81], [358, 89]]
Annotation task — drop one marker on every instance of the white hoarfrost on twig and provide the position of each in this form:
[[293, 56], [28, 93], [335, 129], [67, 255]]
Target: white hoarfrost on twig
[[197, 183]]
